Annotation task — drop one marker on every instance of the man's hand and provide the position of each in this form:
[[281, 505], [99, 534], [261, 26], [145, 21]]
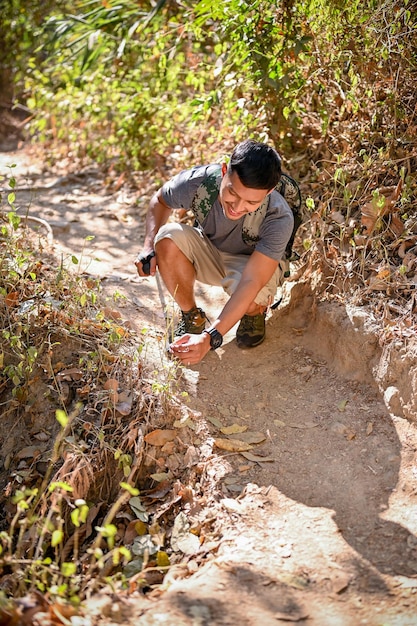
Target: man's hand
[[146, 264], [190, 349]]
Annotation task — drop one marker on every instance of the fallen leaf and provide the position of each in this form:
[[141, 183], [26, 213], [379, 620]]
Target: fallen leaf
[[159, 477], [377, 284], [124, 408], [279, 423], [110, 313], [73, 373], [134, 529], [298, 582], [182, 423], [138, 509], [369, 428], [181, 538], [382, 204], [234, 429], [42, 436], [29, 452], [303, 425], [342, 405], [250, 437], [111, 384], [160, 437], [216, 422], [255, 458], [232, 445], [12, 299]]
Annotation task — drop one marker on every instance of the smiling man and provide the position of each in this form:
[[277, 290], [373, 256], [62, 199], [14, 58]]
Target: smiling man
[[237, 242]]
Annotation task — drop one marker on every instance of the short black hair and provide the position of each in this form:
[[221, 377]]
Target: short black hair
[[257, 164]]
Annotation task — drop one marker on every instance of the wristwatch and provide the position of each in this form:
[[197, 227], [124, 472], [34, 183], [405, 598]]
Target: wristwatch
[[216, 338]]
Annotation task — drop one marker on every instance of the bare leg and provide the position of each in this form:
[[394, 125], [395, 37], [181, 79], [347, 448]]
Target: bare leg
[[177, 272]]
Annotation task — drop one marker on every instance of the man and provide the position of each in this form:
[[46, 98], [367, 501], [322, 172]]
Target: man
[[243, 228]]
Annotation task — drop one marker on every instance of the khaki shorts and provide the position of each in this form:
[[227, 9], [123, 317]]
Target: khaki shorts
[[212, 266]]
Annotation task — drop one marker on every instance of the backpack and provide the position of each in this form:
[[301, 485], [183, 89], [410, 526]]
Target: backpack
[[208, 192]]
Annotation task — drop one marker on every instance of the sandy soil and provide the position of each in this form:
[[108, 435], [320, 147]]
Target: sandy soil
[[321, 528]]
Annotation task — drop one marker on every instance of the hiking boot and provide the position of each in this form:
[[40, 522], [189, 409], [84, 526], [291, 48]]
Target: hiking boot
[[251, 331], [193, 322]]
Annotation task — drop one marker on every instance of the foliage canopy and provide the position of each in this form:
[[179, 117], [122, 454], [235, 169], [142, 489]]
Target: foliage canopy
[[131, 80]]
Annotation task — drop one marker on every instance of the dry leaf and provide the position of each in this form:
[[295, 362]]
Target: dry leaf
[[160, 437], [382, 203], [42, 436], [217, 423], [111, 384], [250, 437], [124, 403], [73, 373], [182, 423], [234, 429], [397, 225], [279, 423], [232, 445], [159, 477], [342, 405], [378, 284], [303, 425], [124, 408], [110, 313], [29, 452], [369, 428], [12, 299], [135, 528]]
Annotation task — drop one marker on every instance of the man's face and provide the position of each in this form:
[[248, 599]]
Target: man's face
[[236, 199]]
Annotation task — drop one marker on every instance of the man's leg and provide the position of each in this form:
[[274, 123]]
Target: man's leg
[[177, 272], [184, 255]]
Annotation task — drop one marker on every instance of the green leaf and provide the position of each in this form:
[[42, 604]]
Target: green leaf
[[342, 405], [68, 569], [132, 490], [61, 417], [60, 485], [57, 538]]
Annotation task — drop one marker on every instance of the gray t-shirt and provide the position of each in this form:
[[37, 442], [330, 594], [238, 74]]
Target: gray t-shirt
[[226, 234]]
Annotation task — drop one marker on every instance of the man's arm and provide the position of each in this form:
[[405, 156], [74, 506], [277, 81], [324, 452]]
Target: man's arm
[[158, 214], [258, 271]]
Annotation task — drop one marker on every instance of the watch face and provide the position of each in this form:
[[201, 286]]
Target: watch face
[[216, 339]]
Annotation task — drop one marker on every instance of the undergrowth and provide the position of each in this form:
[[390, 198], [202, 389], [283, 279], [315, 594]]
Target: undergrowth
[[77, 406]]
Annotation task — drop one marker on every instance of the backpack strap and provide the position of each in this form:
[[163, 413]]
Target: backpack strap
[[290, 190], [207, 193]]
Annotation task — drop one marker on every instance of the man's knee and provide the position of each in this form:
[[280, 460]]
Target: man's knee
[[164, 233]]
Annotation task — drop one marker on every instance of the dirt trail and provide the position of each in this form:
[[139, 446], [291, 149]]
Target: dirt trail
[[325, 532]]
